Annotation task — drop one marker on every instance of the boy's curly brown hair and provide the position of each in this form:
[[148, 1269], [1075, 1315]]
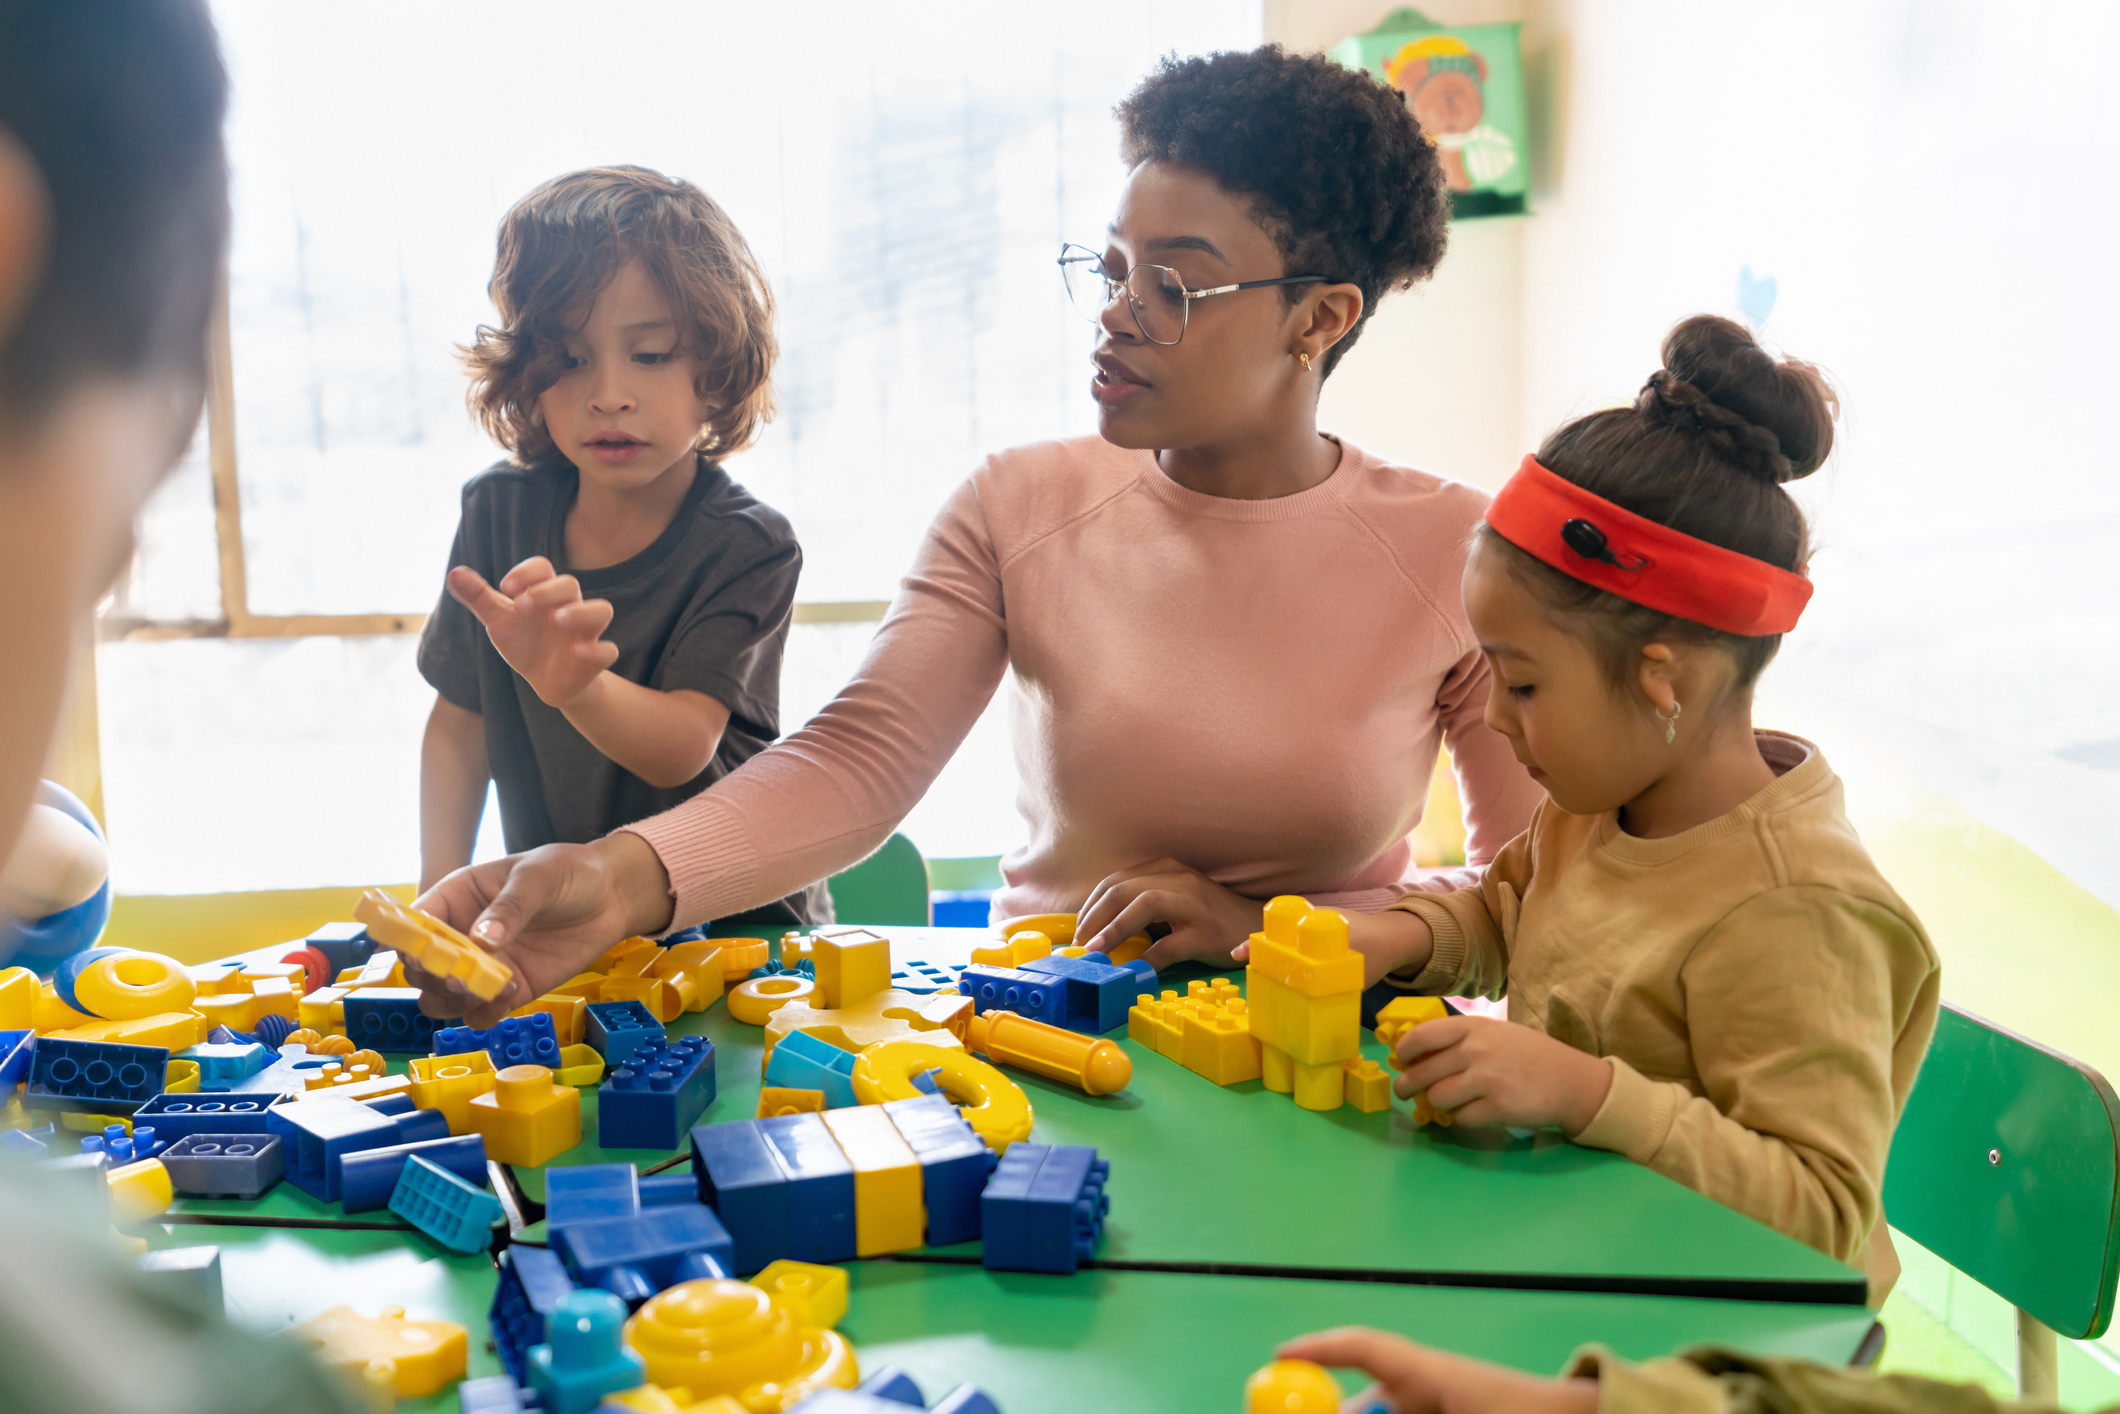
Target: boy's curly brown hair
[[563, 242]]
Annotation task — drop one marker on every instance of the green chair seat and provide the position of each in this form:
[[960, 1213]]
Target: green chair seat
[[889, 887]]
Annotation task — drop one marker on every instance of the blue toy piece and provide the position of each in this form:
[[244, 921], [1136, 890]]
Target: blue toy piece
[[658, 1094], [1044, 1208], [494, 1394], [223, 1066], [1099, 995], [68, 973], [820, 1187], [803, 1062], [16, 1047], [28, 1143], [173, 1117], [454, 1213], [146, 1143], [1037, 995], [590, 1192], [740, 1179], [922, 977], [225, 1165], [633, 1258], [954, 1165], [892, 1391], [367, 1177], [660, 1190], [342, 945], [272, 1031], [618, 1029], [41, 944], [389, 1019], [513, 1040], [191, 1275], [321, 1132], [98, 1077], [289, 1075], [584, 1357], [532, 1283]]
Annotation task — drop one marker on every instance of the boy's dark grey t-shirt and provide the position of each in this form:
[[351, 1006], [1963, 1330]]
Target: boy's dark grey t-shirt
[[706, 607]]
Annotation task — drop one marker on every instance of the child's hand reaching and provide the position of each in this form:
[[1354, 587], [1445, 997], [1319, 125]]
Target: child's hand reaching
[[1494, 1072], [541, 626], [1412, 1379]]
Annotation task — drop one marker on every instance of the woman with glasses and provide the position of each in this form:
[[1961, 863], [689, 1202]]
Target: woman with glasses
[[1234, 642]]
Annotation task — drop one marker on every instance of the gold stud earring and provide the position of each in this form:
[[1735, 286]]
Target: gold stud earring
[[1670, 722], [1304, 359]]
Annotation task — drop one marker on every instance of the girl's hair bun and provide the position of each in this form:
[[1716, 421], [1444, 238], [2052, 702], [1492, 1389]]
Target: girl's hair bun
[[1771, 420]]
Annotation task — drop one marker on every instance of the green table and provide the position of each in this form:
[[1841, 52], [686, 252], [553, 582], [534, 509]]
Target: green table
[[1100, 1339]]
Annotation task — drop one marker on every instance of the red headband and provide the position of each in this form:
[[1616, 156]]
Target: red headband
[[1586, 537]]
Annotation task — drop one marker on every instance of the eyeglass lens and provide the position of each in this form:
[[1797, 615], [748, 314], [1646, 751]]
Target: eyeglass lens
[[1154, 293]]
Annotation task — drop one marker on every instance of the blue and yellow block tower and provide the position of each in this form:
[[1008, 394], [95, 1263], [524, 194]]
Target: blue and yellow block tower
[[1303, 991]]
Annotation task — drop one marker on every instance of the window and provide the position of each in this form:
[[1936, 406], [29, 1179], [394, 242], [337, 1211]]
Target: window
[[905, 174]]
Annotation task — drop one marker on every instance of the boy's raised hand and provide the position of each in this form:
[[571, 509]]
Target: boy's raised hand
[[1486, 1071], [541, 626]]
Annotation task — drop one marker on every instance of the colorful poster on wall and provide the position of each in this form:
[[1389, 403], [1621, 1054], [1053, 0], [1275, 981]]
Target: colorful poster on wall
[[1466, 85]]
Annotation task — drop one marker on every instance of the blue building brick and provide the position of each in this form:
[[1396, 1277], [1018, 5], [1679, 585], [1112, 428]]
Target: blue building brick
[[618, 1029], [1099, 995], [16, 1047], [367, 1177], [223, 1066], [803, 1062], [954, 1165], [175, 1116], [343, 945], [1044, 1208], [660, 1190], [1037, 995], [494, 1394], [389, 1019], [892, 1391], [533, 1281], [633, 1258], [513, 1040], [454, 1213], [95, 1077], [320, 1132], [580, 1193], [653, 1100], [740, 1179], [584, 1356], [820, 1187], [225, 1165]]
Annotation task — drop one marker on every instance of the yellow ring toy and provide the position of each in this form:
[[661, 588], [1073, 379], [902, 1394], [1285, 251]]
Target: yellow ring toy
[[756, 1000], [994, 1105], [1060, 928], [134, 984]]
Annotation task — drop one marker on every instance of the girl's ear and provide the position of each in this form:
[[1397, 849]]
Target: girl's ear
[[1654, 671]]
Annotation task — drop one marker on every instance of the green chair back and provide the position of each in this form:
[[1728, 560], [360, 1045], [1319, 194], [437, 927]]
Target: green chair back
[[890, 886], [2005, 1165]]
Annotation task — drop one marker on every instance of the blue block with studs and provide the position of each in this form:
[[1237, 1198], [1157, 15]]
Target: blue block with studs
[[533, 1281], [457, 1214], [226, 1165], [513, 1040], [1044, 1208], [652, 1100], [94, 1077], [618, 1029], [389, 1019]]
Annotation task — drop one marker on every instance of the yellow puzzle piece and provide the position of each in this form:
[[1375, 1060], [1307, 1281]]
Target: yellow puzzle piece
[[889, 1015], [433, 944], [417, 1357]]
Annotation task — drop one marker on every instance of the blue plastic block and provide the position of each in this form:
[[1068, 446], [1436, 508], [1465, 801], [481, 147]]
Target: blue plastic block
[[389, 1019], [367, 1177], [533, 1282], [513, 1040], [582, 1193], [290, 1074], [584, 1357], [1099, 995], [397, 1104], [96, 1077], [191, 1276], [454, 1213], [494, 1394], [225, 1165], [147, 1142], [1037, 995], [820, 1187], [175, 1116], [321, 1130], [343, 945], [741, 1180], [618, 1029], [954, 1165], [223, 1066], [28, 1143], [892, 1391], [16, 1048], [653, 1100], [965, 1399], [1044, 1208], [803, 1062], [660, 1190], [633, 1258]]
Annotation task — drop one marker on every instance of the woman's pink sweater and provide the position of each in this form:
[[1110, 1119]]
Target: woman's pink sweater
[[1254, 688]]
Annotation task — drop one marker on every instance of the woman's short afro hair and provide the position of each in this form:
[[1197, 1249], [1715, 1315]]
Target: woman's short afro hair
[[1338, 170]]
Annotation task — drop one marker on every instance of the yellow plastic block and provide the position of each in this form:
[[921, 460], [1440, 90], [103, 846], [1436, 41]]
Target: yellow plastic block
[[787, 1100], [382, 969], [1400, 1015], [569, 1013], [18, 998], [1291, 1387], [657, 996], [740, 957], [1368, 1086], [293, 972], [1020, 948], [589, 986], [418, 1357], [700, 961], [579, 1066], [1218, 1043], [993, 1104], [1304, 990], [684, 991], [526, 1118], [794, 947], [352, 1089], [49, 1014], [852, 965], [138, 1191], [817, 1296], [274, 996], [322, 1010], [629, 959], [438, 948], [731, 1338], [939, 1019], [1089, 1063], [888, 1213], [216, 978], [180, 1077], [753, 1002], [349, 977], [450, 1083], [175, 1029], [235, 1010], [124, 986]]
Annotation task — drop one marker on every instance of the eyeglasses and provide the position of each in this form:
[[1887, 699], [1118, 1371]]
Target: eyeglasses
[[1155, 293]]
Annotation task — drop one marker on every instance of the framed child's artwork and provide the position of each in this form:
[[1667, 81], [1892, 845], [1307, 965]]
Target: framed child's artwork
[[1466, 85]]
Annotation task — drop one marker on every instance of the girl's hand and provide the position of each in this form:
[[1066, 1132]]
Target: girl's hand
[[1495, 1072], [1416, 1380], [541, 626], [1206, 921], [547, 914]]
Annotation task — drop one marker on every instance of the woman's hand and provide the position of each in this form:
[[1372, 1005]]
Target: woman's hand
[[1495, 1072], [1417, 1380], [1206, 921], [547, 914]]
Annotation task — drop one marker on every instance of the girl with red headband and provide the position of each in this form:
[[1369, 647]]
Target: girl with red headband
[[1705, 970]]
